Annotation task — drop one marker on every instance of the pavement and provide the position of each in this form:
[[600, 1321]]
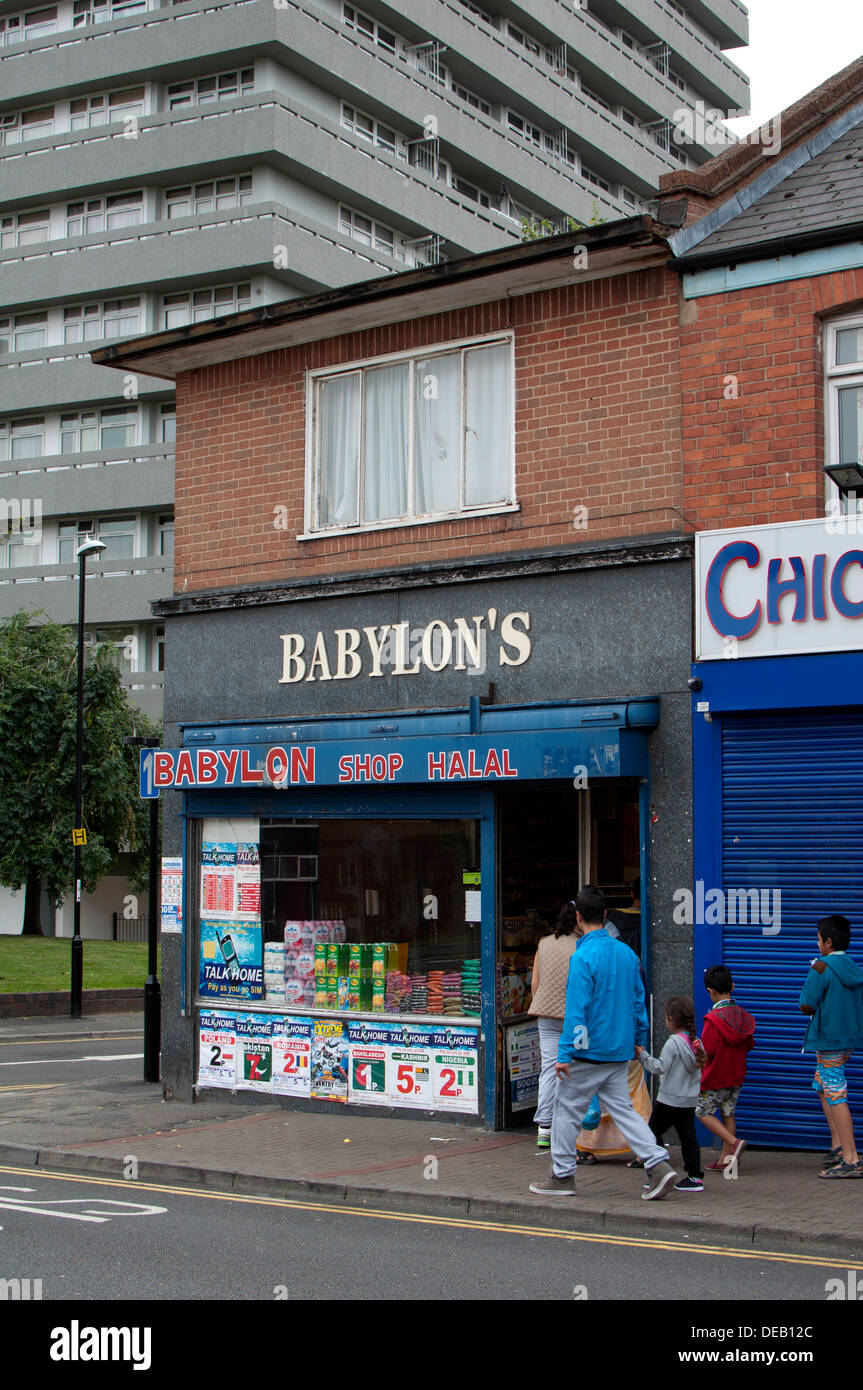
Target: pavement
[[419, 1165]]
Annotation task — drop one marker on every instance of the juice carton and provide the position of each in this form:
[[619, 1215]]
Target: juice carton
[[355, 960], [343, 992], [378, 997], [320, 961], [379, 961]]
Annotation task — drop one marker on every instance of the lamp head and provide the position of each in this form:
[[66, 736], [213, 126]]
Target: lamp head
[[90, 546]]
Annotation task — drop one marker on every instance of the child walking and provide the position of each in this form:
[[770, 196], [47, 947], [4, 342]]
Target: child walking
[[679, 1064], [727, 1035]]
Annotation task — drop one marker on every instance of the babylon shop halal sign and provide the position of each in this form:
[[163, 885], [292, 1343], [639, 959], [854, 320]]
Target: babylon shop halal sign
[[783, 590]]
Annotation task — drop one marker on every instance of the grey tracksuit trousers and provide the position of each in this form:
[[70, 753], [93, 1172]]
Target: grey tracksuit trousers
[[608, 1080]]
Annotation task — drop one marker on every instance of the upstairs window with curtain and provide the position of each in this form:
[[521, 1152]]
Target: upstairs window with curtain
[[413, 438]]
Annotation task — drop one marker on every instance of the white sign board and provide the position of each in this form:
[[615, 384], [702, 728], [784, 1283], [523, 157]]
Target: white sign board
[[783, 590]]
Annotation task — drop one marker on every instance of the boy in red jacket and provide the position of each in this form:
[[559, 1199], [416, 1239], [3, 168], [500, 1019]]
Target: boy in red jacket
[[727, 1036]]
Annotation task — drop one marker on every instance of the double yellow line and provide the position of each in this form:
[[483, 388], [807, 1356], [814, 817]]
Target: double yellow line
[[451, 1222]]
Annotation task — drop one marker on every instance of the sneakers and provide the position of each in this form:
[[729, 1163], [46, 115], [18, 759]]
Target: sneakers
[[543, 1137], [553, 1186], [661, 1176], [688, 1184]]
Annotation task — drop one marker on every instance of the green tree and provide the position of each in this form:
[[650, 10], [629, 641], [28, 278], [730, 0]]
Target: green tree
[[38, 707]]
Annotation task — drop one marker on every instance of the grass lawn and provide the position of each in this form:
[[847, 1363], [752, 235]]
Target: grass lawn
[[32, 964]]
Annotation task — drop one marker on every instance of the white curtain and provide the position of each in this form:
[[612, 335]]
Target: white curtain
[[339, 450], [438, 434], [488, 425], [386, 442]]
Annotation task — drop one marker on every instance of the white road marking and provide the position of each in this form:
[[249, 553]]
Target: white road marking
[[101, 1057], [94, 1208]]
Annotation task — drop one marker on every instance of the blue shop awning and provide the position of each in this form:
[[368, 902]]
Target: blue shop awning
[[480, 743]]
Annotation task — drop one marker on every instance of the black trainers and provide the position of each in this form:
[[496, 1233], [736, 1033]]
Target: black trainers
[[688, 1184]]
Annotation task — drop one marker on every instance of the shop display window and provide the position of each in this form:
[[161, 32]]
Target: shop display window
[[372, 916]]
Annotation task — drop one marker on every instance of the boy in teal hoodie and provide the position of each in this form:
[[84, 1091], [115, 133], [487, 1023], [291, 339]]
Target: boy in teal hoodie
[[833, 997]]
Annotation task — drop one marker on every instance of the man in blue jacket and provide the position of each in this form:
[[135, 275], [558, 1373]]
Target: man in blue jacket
[[833, 997], [605, 1018]]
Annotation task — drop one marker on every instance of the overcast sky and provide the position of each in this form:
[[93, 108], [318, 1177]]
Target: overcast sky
[[794, 45]]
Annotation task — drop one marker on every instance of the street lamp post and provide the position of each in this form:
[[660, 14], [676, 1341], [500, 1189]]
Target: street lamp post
[[88, 547], [152, 988]]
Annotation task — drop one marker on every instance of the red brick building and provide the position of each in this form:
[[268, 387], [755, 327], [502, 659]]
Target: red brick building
[[771, 341], [430, 638]]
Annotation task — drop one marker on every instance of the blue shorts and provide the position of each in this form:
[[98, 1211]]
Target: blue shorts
[[830, 1081]]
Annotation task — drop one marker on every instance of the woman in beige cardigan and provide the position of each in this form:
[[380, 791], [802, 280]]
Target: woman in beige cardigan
[[548, 1004]]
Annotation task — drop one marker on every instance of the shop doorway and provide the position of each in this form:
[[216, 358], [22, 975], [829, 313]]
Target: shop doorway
[[551, 839]]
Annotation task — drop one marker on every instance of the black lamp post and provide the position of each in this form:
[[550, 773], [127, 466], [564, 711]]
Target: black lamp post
[[152, 988], [88, 547], [848, 477]]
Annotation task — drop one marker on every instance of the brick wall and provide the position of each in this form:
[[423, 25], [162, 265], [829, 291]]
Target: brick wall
[[758, 458], [597, 426]]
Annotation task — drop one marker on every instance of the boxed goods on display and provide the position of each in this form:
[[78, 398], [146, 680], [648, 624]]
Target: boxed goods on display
[[315, 967]]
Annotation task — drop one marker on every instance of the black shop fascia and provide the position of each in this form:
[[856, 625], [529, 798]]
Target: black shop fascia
[[384, 799]]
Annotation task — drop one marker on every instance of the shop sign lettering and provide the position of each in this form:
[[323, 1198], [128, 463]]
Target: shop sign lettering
[[397, 649], [787, 588], [279, 767]]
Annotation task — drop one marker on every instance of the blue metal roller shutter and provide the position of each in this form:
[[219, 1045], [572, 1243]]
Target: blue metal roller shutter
[[792, 819]]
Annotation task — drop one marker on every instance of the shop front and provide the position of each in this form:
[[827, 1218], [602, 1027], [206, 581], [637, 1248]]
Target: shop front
[[778, 782], [360, 894]]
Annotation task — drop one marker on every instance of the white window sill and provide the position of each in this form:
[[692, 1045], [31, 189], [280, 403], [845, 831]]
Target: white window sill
[[402, 522]]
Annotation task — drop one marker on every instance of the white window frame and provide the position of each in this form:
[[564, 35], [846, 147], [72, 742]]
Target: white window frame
[[110, 9], [107, 108], [164, 527], [26, 24], [24, 427], [237, 303], [166, 424], [349, 121], [14, 225], [14, 325], [104, 315], [193, 93], [372, 29], [15, 129], [595, 180], [19, 543], [471, 98], [312, 531], [106, 213], [836, 377], [378, 231], [126, 642], [92, 526], [195, 195], [99, 420]]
